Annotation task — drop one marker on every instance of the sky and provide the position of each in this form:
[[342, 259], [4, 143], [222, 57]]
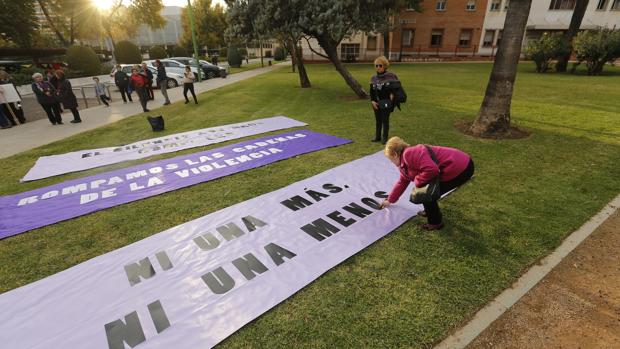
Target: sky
[[183, 3]]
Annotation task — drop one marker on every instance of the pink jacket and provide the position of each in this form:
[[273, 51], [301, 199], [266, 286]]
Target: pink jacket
[[417, 166]]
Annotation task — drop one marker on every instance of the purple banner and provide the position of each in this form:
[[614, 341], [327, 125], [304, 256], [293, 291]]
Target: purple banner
[[37, 208]]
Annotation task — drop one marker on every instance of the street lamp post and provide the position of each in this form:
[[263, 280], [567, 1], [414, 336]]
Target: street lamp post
[[191, 22]]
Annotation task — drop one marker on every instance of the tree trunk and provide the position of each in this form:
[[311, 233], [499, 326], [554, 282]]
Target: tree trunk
[[386, 44], [62, 39], [329, 46], [304, 81], [573, 29], [494, 115]]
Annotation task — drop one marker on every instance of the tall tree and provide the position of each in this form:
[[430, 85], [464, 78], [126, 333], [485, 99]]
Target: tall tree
[[17, 21], [575, 22], [254, 19], [210, 24], [494, 115]]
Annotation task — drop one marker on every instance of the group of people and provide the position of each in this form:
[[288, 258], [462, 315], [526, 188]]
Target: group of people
[[53, 92], [9, 112], [420, 164], [141, 81]]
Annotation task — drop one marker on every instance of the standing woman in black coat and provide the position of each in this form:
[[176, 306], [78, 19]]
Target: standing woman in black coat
[[66, 96], [382, 98], [46, 96]]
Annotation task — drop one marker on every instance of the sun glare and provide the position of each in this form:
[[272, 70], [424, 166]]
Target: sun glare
[[103, 4]]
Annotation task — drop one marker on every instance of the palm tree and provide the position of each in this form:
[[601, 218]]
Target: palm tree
[[573, 28], [494, 115]]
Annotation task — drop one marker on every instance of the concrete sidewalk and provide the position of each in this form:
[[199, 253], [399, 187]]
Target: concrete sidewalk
[[40, 132]]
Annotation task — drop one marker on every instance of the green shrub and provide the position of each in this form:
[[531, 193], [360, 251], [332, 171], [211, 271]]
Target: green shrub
[[127, 53], [234, 58], [157, 52], [543, 50], [252, 55], [84, 60], [24, 75], [179, 51], [268, 54], [223, 52], [279, 54], [243, 52], [597, 47]]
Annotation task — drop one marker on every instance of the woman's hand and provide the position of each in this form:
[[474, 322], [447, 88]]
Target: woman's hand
[[385, 204], [375, 105]]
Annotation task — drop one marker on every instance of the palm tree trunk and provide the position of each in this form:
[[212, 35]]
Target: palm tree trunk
[[573, 29], [494, 115], [329, 46], [386, 44]]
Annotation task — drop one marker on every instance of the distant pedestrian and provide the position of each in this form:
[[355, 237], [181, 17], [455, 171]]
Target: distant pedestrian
[[46, 96], [11, 110], [162, 80], [382, 89], [67, 97], [188, 84], [121, 80], [138, 83], [149, 81], [214, 59], [100, 90], [52, 79]]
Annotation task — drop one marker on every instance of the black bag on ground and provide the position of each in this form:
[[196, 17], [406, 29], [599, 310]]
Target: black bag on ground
[[430, 192], [157, 122]]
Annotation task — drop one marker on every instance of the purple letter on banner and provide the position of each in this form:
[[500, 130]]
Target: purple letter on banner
[[55, 203]]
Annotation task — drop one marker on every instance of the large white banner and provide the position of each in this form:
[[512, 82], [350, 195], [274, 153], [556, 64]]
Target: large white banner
[[53, 165], [8, 94], [195, 284]]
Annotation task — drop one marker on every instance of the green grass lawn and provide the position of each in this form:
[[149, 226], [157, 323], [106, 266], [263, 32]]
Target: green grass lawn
[[412, 287], [245, 67]]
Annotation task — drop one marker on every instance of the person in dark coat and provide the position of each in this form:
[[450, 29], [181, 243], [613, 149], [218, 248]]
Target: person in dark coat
[[162, 80], [149, 81], [11, 110], [67, 97], [121, 80], [46, 96], [382, 98]]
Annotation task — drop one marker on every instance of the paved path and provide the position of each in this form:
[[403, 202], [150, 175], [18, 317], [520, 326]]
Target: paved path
[[40, 132], [577, 305]]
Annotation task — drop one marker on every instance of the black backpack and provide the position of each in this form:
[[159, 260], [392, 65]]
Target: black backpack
[[400, 96]]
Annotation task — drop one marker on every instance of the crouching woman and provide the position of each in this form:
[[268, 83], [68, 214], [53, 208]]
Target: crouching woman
[[421, 164]]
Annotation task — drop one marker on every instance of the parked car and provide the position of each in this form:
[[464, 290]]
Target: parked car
[[171, 66], [174, 79], [210, 70]]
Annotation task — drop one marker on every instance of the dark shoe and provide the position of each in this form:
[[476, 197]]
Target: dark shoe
[[196, 102], [75, 121], [166, 103], [60, 123], [186, 102], [432, 226], [376, 140], [146, 110], [384, 141], [422, 214], [5, 127]]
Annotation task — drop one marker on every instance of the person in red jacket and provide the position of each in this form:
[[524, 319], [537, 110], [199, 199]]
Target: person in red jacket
[[138, 82], [416, 165]]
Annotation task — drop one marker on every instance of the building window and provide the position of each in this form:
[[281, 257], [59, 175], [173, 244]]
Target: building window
[[562, 5], [436, 37], [371, 43], [441, 5], [506, 3], [602, 4], [471, 5], [489, 37], [465, 37], [499, 37], [615, 6], [495, 5], [349, 51], [407, 39]]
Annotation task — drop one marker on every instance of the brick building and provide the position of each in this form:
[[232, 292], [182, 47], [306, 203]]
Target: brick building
[[443, 28]]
